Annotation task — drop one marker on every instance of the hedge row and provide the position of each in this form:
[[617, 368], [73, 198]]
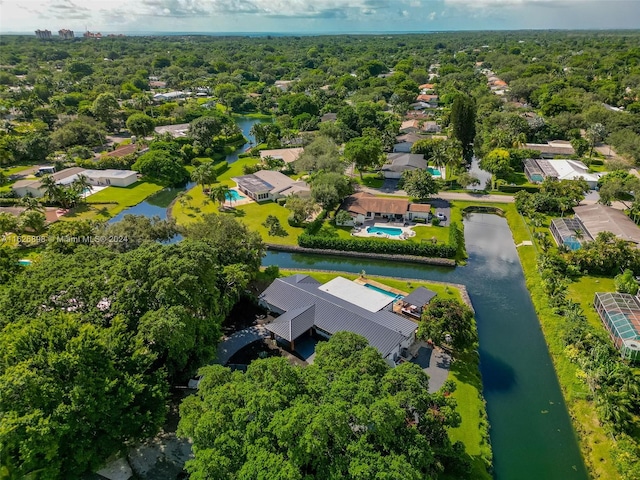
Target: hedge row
[[308, 240]]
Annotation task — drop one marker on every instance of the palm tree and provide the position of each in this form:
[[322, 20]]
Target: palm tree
[[259, 132], [81, 184], [31, 204], [204, 175], [51, 188], [220, 194]]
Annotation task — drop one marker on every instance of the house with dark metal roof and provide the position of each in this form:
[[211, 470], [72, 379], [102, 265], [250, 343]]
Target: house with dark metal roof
[[339, 305]]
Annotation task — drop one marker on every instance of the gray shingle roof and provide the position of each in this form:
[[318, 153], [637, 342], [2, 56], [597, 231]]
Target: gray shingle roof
[[384, 330]]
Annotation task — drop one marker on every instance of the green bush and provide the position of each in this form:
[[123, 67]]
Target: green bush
[[371, 245]]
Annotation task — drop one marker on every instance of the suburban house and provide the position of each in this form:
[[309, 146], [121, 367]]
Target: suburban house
[[398, 163], [168, 96], [116, 178], [552, 149], [537, 170], [620, 314], [177, 130], [283, 84], [270, 185], [569, 232], [33, 188], [405, 142], [287, 155], [598, 218], [363, 206], [426, 87], [417, 126], [430, 99], [304, 305]]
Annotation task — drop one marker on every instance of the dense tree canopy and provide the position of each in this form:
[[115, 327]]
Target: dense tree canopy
[[349, 415]]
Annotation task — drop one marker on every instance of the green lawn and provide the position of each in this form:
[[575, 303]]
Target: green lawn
[[112, 200], [371, 180], [14, 170], [583, 292]]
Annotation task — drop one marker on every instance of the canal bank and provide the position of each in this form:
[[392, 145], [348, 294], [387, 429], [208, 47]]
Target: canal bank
[[531, 433]]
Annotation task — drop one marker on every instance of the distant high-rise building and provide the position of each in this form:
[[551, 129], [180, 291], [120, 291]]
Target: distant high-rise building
[[65, 34], [43, 34], [88, 34]]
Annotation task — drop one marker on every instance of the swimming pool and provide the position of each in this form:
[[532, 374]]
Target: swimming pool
[[383, 291], [391, 231], [24, 262], [234, 195], [434, 171]]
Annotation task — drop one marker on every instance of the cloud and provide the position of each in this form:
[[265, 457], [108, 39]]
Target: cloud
[[480, 4], [432, 16]]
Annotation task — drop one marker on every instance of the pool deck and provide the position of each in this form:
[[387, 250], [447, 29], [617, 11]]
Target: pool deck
[[407, 232], [241, 201], [381, 286]]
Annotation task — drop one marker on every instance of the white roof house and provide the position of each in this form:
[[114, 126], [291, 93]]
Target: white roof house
[[356, 294], [117, 178], [270, 185], [539, 169]]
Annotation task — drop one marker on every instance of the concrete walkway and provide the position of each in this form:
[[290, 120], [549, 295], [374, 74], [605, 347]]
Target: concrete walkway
[[236, 342]]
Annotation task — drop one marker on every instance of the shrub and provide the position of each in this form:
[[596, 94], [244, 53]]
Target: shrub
[[435, 221], [371, 245]]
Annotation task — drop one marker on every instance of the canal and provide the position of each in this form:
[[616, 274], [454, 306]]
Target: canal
[[531, 433]]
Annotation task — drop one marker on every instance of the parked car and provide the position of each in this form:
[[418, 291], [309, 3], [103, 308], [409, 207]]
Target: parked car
[[441, 216]]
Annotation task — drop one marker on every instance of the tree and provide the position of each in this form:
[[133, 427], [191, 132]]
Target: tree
[[580, 146], [99, 395], [320, 155], [364, 152], [345, 416], [32, 221], [8, 223], [419, 184], [159, 165], [595, 134], [220, 194], [626, 283], [620, 186], [275, 229], [300, 208], [140, 124], [105, 109], [463, 120], [204, 129], [449, 322], [82, 131], [204, 175], [134, 230], [329, 189], [31, 203], [466, 179], [497, 162]]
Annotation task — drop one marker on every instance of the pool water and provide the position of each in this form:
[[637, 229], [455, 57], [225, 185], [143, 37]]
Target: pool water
[[394, 232], [384, 292], [24, 262], [434, 171], [234, 195]]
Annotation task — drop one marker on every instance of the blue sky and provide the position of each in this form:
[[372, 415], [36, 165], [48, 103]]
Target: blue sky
[[314, 16]]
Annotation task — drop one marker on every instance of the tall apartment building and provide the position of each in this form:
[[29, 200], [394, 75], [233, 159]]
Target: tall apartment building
[[43, 34], [65, 34]]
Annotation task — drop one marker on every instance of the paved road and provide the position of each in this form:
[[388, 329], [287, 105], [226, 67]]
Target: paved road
[[482, 197], [236, 342]]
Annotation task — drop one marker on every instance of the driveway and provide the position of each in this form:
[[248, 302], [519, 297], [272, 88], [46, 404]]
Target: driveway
[[440, 205], [436, 364], [236, 342], [389, 185]]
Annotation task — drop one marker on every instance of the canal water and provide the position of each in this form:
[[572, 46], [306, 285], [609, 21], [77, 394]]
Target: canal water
[[531, 433], [245, 124]]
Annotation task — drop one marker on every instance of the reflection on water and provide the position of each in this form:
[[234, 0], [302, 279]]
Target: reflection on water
[[531, 433]]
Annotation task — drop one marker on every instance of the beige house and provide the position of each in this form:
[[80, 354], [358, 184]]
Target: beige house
[[287, 155], [33, 188], [364, 206], [270, 185], [116, 178]]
